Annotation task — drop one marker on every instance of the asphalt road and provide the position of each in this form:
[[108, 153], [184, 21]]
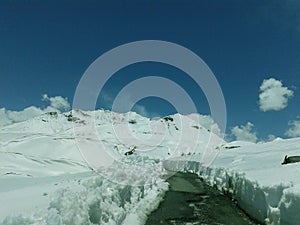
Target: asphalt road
[[191, 202]]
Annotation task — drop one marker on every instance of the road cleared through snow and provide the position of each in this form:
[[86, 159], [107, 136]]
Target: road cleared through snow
[[191, 201]]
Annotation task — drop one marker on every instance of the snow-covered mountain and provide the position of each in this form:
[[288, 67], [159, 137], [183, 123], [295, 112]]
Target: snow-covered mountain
[[101, 167], [50, 156], [54, 144]]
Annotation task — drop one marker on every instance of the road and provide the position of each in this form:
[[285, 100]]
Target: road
[[191, 202]]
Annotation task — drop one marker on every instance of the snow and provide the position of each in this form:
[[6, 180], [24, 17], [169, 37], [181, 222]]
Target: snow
[[72, 169], [79, 199], [252, 174]]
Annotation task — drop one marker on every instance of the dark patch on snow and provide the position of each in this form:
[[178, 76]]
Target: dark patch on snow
[[290, 159]]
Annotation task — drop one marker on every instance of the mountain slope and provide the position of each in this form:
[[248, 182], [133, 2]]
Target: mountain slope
[[46, 165]]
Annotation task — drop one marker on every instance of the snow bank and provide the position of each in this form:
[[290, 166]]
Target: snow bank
[[44, 178], [87, 199], [252, 174]]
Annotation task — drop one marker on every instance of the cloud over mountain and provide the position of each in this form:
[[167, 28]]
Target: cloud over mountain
[[244, 133], [57, 104], [294, 130]]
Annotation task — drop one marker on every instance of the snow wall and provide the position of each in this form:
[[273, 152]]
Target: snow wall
[[277, 205]]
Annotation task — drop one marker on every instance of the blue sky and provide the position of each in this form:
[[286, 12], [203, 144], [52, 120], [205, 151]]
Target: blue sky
[[46, 46]]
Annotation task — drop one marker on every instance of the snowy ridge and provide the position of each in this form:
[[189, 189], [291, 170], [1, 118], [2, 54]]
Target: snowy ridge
[[252, 174], [44, 178]]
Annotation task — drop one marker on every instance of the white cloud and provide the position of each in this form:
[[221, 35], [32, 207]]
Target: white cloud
[[273, 95], [58, 104], [272, 137], [140, 109], [207, 122], [122, 104], [294, 131], [4, 120], [18, 116], [244, 133]]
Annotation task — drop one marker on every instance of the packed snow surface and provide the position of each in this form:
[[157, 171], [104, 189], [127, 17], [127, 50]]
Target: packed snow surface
[[100, 167]]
